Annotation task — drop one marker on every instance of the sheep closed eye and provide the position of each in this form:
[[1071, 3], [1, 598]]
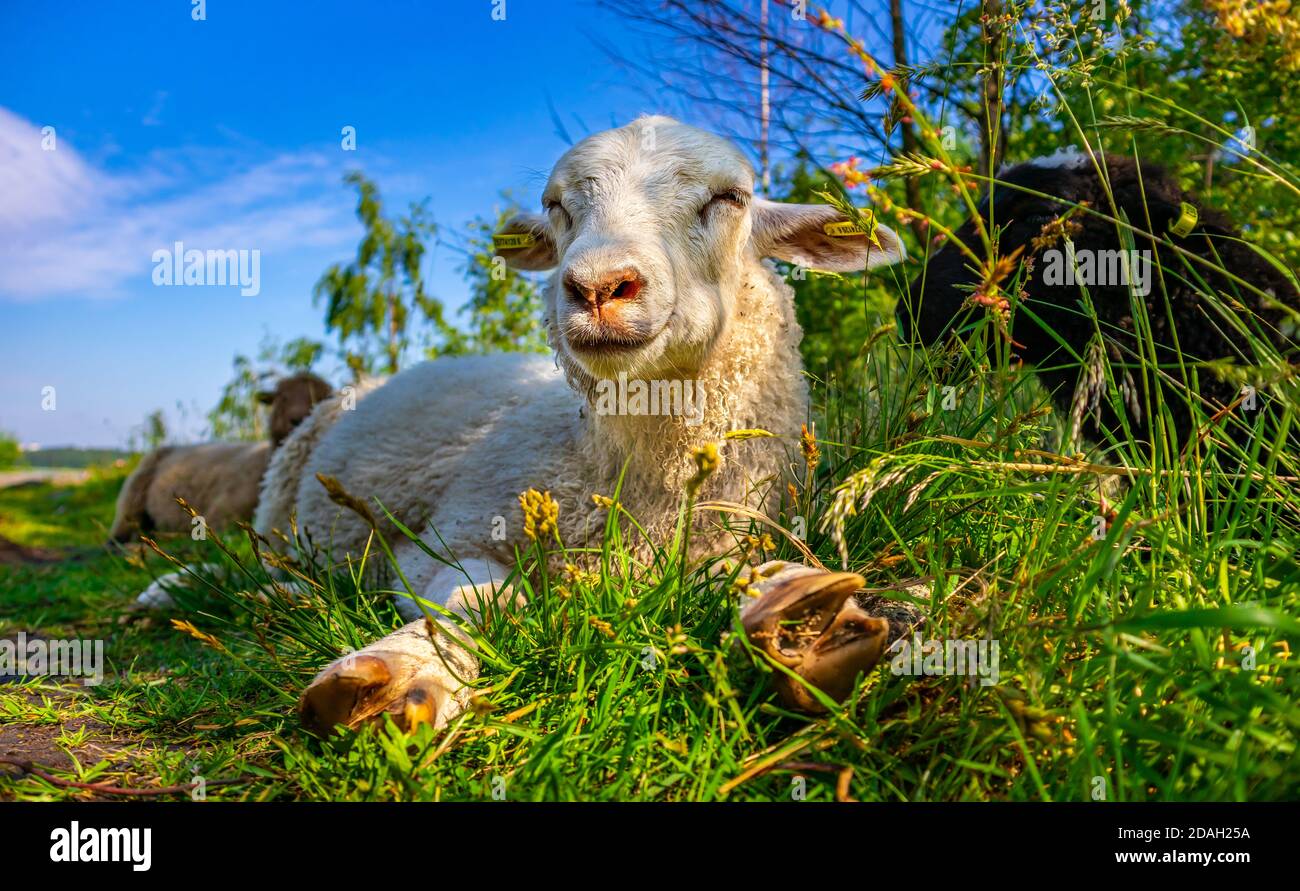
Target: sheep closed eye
[[552, 206], [729, 198]]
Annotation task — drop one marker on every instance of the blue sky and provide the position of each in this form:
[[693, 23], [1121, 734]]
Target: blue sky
[[226, 134]]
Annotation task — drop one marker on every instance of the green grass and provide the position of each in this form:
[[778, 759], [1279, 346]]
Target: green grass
[[1121, 660], [121, 731]]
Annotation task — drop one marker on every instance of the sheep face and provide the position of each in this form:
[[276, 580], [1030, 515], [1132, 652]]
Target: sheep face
[[651, 229], [291, 401]]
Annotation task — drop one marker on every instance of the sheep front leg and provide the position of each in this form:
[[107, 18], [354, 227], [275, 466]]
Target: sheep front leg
[[420, 673], [158, 596]]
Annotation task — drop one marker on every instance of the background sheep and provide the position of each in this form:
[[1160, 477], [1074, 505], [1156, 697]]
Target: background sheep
[[220, 480], [656, 240], [1181, 315]]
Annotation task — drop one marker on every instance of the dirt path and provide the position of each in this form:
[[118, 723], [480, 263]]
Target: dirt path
[[53, 475], [14, 554]]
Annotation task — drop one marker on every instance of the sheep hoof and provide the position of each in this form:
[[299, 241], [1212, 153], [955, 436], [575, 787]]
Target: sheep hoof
[[416, 675], [807, 621], [363, 687]]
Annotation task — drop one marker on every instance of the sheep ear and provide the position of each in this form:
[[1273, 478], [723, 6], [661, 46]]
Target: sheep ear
[[525, 243], [797, 233]]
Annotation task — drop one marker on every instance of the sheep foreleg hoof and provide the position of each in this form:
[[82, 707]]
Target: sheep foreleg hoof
[[808, 622], [406, 676]]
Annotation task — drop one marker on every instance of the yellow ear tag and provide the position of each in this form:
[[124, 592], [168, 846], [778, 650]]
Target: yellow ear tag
[[1186, 222], [847, 229], [512, 241]]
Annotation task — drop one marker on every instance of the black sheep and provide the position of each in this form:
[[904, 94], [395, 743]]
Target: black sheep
[[940, 299]]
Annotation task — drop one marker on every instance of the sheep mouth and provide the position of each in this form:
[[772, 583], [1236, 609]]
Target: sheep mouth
[[607, 340], [607, 345]]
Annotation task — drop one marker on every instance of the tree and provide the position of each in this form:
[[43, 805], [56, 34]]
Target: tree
[[10, 452], [505, 307], [369, 301], [237, 414], [299, 354], [1181, 83], [150, 434]]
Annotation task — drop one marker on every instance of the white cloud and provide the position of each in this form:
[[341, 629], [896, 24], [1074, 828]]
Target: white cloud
[[70, 228], [38, 186]]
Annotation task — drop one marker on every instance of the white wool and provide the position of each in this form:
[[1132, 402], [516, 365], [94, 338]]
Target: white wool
[[463, 589], [656, 242], [1065, 158], [276, 501]]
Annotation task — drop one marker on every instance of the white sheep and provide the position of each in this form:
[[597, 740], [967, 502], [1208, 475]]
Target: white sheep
[[220, 480], [657, 242]]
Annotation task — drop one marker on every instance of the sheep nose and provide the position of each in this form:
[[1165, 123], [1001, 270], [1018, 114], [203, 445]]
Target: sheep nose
[[596, 291]]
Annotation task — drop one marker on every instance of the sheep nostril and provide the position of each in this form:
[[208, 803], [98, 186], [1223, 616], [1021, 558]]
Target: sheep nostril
[[627, 289], [577, 291]]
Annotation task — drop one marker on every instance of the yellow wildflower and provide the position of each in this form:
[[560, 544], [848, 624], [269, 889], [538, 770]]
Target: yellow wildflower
[[676, 640], [541, 514], [1259, 24], [707, 460], [574, 573]]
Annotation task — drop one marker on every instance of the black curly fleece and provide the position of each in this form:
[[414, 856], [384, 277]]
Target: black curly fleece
[[1180, 317]]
